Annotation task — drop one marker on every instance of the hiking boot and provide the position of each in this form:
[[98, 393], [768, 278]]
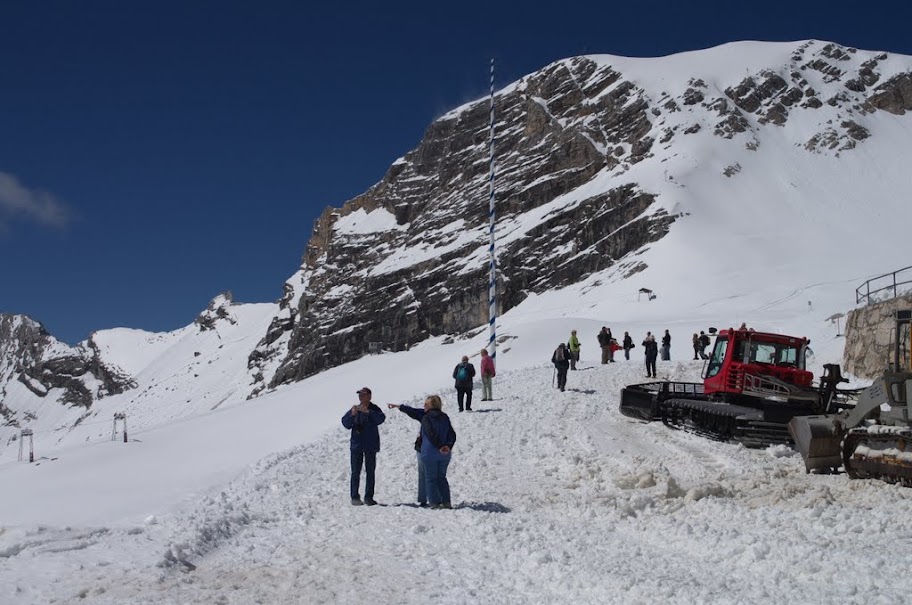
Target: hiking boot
[[357, 502], [446, 505], [422, 505], [370, 502]]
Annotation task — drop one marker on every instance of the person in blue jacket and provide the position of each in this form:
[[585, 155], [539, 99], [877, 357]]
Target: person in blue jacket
[[437, 440], [362, 420], [417, 414]]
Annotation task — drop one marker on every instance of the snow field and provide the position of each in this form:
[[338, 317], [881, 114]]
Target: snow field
[[558, 499]]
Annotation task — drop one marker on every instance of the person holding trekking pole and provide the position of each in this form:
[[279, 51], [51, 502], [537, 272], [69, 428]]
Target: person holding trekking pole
[[561, 361]]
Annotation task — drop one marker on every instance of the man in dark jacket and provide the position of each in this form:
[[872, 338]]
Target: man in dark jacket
[[464, 373], [604, 340], [652, 351], [362, 420], [628, 344], [704, 342], [561, 361], [666, 347]]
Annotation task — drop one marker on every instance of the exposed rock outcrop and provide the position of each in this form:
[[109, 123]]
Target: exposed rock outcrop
[[408, 259], [34, 358], [219, 308]]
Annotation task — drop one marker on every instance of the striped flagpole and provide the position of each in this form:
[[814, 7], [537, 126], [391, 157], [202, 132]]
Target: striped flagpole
[[492, 280]]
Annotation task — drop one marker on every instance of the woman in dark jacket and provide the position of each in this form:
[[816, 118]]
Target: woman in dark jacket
[[437, 440], [418, 415]]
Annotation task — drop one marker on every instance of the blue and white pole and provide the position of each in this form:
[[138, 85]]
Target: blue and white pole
[[492, 280]]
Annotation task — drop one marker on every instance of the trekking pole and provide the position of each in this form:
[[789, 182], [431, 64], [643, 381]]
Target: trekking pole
[[554, 377]]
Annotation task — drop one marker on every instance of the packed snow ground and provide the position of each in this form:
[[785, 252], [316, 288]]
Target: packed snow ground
[[558, 499]]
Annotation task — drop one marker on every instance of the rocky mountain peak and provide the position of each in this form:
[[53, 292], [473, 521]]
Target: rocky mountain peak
[[31, 358], [408, 258], [218, 309]]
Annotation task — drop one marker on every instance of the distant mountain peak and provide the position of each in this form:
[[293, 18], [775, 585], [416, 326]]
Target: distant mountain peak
[[218, 310]]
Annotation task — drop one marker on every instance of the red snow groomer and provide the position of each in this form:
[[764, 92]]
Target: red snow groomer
[[754, 383]]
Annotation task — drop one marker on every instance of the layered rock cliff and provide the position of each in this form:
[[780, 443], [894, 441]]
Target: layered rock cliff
[[72, 376], [408, 259]]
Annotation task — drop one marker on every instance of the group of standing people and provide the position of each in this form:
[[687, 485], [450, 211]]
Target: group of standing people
[[566, 356], [700, 342], [435, 441], [609, 345], [464, 375], [434, 446], [652, 351]]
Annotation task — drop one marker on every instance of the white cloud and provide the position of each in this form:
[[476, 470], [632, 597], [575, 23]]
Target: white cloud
[[18, 201]]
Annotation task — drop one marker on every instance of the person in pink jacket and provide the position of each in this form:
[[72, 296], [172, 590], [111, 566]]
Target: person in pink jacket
[[487, 373]]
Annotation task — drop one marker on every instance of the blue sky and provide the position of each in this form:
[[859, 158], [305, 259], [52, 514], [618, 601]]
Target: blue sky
[[154, 154]]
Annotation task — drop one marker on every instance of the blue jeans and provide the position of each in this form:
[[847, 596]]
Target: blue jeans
[[422, 480], [369, 460], [438, 488]]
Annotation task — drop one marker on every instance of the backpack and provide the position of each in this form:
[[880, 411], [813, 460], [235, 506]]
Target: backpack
[[462, 374]]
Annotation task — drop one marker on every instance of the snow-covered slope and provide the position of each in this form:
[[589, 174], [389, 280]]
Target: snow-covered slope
[[558, 499], [177, 374]]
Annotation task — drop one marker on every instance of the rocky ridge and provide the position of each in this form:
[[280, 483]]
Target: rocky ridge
[[73, 376], [407, 259]]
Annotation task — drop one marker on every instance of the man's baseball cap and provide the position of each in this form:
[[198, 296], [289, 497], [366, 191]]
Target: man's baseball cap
[[363, 390]]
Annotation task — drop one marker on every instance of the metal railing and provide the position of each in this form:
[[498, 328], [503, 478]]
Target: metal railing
[[884, 287]]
